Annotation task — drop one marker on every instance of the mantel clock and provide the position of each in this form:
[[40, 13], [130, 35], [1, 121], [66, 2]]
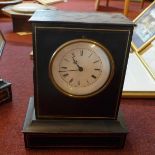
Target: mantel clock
[[80, 61]]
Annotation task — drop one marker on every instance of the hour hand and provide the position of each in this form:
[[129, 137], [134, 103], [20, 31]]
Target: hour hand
[[76, 63]]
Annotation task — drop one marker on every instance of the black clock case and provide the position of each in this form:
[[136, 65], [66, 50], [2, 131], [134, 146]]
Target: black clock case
[[75, 116]]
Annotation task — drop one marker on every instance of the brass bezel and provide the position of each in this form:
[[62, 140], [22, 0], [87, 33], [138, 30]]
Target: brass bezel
[[107, 52]]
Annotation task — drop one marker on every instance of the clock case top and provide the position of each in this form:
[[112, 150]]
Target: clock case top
[[52, 28]]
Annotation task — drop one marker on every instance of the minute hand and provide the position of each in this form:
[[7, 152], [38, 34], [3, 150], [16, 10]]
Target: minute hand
[[76, 63]]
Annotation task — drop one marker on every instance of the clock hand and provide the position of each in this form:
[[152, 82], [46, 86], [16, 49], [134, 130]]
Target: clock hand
[[79, 67], [69, 70]]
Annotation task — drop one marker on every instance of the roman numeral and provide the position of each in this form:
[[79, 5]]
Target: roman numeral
[[71, 80], [65, 75], [64, 67], [96, 61], [81, 52], [97, 69], [93, 76], [62, 71]]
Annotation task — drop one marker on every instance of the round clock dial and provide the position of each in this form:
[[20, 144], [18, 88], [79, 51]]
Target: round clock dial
[[81, 68]]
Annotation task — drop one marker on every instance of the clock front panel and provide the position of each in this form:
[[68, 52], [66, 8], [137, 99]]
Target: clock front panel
[[79, 72]]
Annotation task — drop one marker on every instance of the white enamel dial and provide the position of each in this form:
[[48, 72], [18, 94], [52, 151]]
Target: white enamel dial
[[81, 68]]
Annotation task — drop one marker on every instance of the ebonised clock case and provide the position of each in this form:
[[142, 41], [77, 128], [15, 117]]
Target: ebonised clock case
[[51, 29]]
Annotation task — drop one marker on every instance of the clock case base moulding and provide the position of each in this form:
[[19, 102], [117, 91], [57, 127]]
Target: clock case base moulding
[[72, 133]]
